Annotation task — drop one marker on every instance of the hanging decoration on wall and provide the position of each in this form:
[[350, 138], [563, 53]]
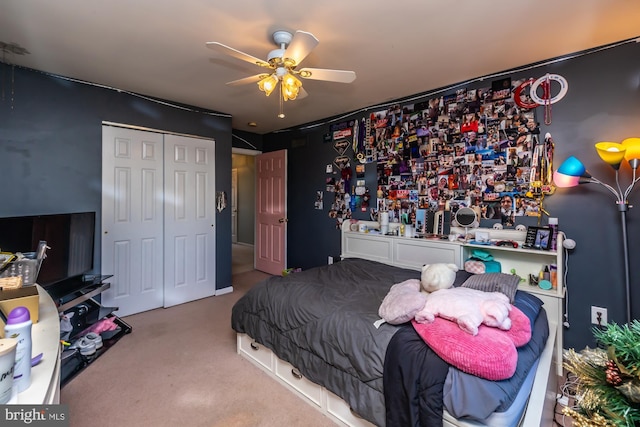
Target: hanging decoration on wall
[[342, 161], [341, 146], [342, 136], [532, 100], [363, 141], [221, 201], [319, 203], [541, 175]]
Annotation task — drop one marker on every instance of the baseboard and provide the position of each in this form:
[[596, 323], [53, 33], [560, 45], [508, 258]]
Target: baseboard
[[249, 245], [224, 291]]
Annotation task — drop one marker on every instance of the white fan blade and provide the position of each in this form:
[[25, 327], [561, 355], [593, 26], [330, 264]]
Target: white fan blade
[[339, 76], [302, 93], [224, 49], [246, 80], [301, 45]]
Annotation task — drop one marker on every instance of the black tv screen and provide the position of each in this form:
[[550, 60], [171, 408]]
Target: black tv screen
[[70, 237]]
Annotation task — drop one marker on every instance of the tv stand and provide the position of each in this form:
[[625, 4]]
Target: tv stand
[[78, 295]]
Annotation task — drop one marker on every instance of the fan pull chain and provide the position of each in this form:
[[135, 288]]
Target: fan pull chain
[[281, 113]]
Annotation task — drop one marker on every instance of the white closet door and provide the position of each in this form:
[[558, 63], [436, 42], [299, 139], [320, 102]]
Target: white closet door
[[189, 233], [132, 219]]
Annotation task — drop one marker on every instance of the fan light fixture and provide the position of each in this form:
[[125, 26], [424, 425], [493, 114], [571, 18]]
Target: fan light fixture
[[289, 86], [284, 61], [572, 172]]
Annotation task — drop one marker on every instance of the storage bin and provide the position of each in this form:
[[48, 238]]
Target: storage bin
[[26, 268]]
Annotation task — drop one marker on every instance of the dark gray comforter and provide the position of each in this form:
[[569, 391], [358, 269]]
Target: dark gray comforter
[[322, 321]]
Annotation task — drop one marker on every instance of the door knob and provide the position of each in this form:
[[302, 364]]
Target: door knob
[[281, 220]]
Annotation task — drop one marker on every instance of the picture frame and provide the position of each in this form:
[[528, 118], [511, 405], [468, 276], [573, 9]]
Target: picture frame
[[538, 238], [543, 238], [421, 220]]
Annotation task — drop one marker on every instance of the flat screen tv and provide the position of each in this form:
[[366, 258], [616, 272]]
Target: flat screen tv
[[70, 237]]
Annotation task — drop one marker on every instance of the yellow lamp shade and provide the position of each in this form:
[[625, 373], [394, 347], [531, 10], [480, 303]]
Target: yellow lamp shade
[[633, 149], [290, 87], [611, 152], [268, 84]]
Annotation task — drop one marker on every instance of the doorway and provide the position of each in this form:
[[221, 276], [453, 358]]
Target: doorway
[[243, 180], [271, 212], [234, 205]]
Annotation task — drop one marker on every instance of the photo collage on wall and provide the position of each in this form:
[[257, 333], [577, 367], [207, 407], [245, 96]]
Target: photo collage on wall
[[477, 148], [473, 148]]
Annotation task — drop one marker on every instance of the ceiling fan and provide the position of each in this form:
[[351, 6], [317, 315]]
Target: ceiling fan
[[282, 64]]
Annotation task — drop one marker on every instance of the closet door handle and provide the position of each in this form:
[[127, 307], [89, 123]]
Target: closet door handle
[[281, 220]]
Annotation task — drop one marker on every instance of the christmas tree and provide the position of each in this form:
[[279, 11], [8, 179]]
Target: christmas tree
[[608, 378]]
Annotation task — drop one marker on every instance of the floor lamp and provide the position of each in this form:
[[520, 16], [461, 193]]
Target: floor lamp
[[572, 172]]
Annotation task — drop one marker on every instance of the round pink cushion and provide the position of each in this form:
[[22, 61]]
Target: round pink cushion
[[491, 354]]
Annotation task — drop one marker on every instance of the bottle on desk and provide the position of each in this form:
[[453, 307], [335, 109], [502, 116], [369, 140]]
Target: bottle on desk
[[18, 327], [7, 362]]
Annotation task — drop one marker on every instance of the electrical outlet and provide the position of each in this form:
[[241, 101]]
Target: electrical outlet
[[330, 260], [563, 400], [598, 315]]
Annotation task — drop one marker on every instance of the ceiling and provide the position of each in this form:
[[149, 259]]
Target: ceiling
[[397, 49]]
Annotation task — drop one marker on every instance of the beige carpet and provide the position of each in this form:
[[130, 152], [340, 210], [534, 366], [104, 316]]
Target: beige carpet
[[241, 258], [179, 367]]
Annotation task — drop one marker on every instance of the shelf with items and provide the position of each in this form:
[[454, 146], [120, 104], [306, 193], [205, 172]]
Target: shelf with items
[[76, 299], [525, 262], [73, 362], [407, 252], [86, 286]]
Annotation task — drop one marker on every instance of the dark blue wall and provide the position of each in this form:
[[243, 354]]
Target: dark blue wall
[[602, 104], [51, 139]]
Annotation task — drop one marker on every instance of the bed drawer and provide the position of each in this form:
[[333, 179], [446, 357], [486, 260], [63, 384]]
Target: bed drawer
[[256, 352], [292, 376], [341, 410]]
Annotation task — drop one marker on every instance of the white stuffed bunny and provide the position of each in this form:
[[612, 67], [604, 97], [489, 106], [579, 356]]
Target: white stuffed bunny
[[469, 308]]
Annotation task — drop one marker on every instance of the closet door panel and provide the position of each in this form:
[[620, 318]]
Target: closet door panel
[[189, 219], [132, 219]]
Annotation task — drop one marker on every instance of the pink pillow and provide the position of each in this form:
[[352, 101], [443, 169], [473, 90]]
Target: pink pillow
[[520, 332], [491, 354]]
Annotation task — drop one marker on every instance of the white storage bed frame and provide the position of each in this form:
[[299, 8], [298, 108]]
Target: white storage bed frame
[[540, 406]]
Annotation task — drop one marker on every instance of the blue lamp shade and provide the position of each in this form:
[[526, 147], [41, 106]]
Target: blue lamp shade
[[573, 167]]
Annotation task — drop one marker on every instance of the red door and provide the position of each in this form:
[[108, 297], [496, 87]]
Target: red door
[[271, 212]]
